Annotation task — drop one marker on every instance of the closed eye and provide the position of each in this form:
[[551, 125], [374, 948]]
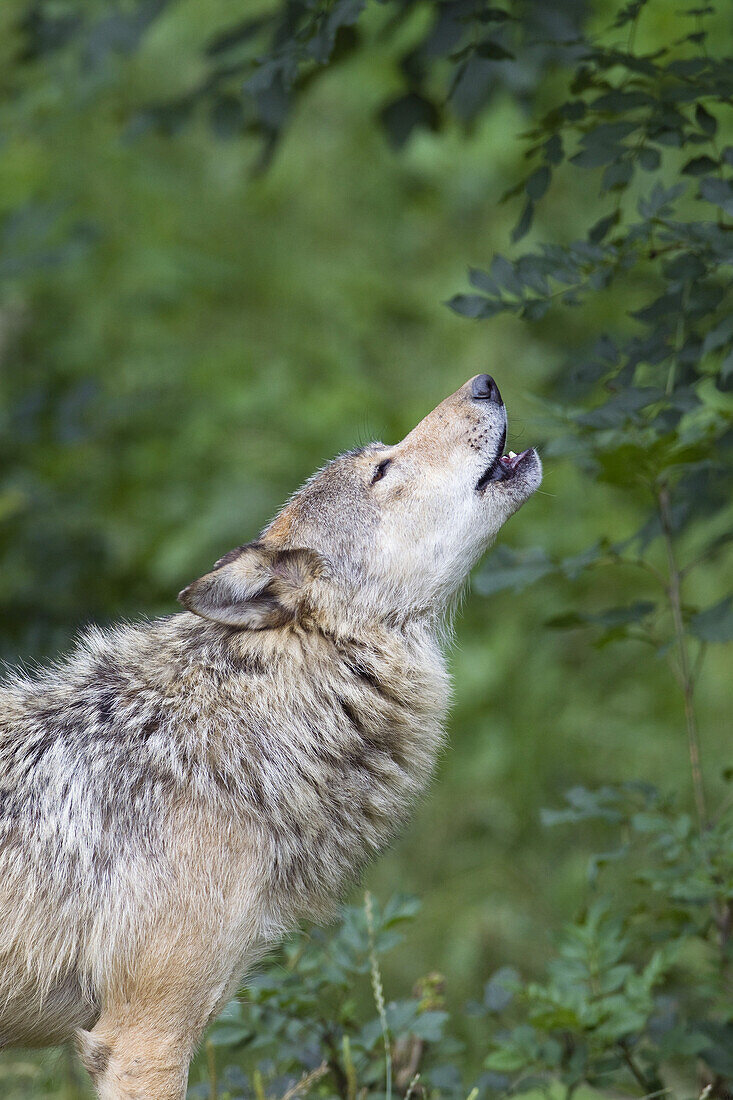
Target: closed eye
[[381, 470]]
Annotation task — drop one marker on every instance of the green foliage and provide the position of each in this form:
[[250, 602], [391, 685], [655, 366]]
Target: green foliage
[[639, 988], [636, 996], [164, 385], [312, 1007]]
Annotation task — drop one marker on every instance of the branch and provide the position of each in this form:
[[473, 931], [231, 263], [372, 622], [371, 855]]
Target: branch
[[686, 676]]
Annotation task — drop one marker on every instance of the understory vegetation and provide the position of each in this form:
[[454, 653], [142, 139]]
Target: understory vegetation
[[225, 248]]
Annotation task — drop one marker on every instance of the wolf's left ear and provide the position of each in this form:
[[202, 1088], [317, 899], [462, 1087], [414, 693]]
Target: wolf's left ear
[[255, 587]]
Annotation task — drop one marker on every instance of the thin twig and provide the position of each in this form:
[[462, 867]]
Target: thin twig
[[379, 995], [211, 1065], [349, 1068], [686, 676], [639, 1076]]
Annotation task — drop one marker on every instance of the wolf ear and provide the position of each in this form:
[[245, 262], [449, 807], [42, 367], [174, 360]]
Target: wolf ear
[[254, 587]]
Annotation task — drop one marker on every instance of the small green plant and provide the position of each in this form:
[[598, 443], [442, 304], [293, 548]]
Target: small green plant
[[316, 1019], [638, 995], [636, 999]]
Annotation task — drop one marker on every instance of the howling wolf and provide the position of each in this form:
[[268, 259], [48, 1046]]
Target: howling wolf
[[176, 793]]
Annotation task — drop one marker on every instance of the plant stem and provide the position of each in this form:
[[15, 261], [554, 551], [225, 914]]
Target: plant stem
[[349, 1068], [687, 680], [379, 994], [211, 1064], [340, 1077], [650, 1087]]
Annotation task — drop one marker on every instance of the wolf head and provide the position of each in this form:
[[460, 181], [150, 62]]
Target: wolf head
[[380, 532]]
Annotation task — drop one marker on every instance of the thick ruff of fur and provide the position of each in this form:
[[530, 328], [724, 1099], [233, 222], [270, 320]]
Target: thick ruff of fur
[[177, 793]]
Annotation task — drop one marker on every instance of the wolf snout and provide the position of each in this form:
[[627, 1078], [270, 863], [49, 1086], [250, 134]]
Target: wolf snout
[[484, 388]]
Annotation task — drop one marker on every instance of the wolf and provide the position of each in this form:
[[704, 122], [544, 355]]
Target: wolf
[[177, 793]]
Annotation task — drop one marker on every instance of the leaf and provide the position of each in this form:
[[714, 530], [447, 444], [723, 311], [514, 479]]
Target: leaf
[[229, 1035], [585, 805], [469, 305], [505, 1060], [719, 192], [707, 123], [234, 36], [538, 182], [719, 1054], [573, 566], [715, 624], [227, 116], [659, 201], [493, 51], [494, 15], [500, 989], [483, 281], [400, 908], [553, 149], [617, 175], [649, 159], [624, 406], [525, 222], [429, 1025], [726, 367], [512, 569], [629, 12], [602, 227], [699, 166], [503, 271], [622, 616], [595, 156], [601, 859], [718, 337], [406, 113], [686, 268]]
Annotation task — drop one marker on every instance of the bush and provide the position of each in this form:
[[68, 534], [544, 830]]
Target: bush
[[636, 998]]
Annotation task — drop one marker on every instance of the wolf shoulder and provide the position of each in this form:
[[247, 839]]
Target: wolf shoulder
[[144, 711]]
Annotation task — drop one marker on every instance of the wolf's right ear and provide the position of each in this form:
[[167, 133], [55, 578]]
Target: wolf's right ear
[[254, 587]]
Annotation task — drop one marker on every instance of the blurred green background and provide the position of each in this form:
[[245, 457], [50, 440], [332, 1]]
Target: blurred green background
[[183, 341]]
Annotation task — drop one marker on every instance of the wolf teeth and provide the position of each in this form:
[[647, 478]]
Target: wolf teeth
[[511, 455]]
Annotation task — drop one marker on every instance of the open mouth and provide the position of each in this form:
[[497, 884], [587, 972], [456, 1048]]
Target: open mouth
[[504, 466]]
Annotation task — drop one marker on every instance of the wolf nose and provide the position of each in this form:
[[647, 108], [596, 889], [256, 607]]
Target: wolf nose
[[484, 388]]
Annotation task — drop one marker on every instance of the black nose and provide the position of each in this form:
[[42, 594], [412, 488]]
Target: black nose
[[484, 388]]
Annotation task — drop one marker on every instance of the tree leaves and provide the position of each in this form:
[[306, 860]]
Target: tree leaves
[[715, 624], [406, 113], [653, 415]]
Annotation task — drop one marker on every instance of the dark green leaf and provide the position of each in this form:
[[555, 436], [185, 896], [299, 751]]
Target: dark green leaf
[[649, 158], [501, 988], [525, 222], [707, 123], [715, 624], [602, 227], [699, 166], [406, 113], [512, 569], [493, 51], [538, 182], [719, 336], [719, 192]]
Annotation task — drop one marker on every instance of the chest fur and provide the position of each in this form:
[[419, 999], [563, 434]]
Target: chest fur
[[336, 749]]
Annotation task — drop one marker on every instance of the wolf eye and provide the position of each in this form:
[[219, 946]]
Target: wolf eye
[[381, 470]]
